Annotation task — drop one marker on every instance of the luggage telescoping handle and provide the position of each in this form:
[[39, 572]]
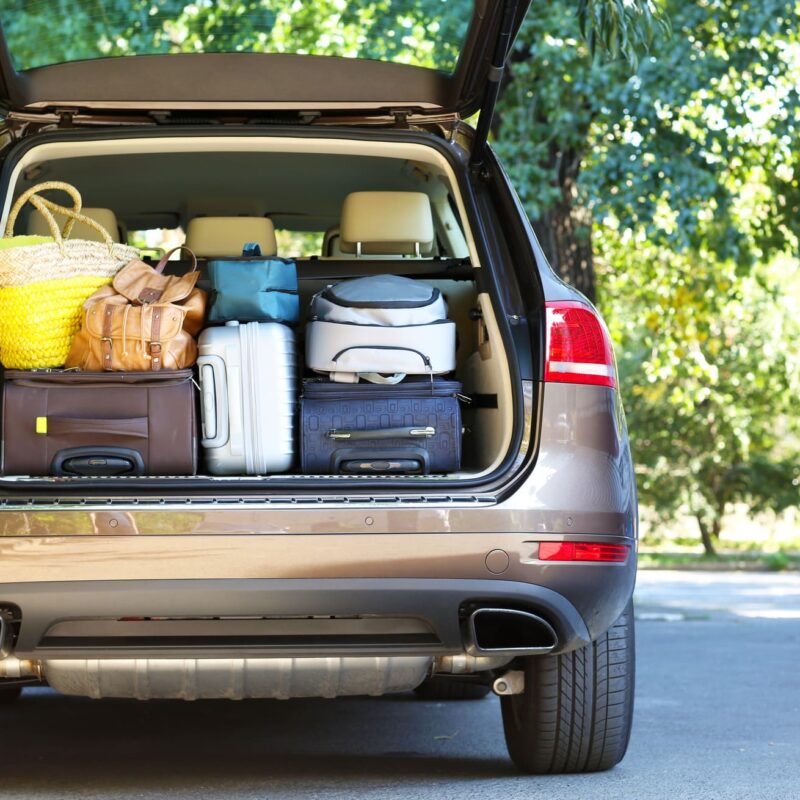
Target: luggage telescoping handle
[[411, 432]]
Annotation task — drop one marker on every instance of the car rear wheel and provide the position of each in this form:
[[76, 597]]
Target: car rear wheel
[[576, 711], [441, 688], [8, 694]]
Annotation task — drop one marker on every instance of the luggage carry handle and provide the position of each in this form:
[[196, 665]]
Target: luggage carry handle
[[97, 461], [214, 400], [376, 377], [410, 432], [399, 460]]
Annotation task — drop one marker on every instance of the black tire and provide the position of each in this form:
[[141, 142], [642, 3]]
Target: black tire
[[8, 694], [576, 712], [440, 688]]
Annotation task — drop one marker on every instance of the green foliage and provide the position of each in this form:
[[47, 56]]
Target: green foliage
[[777, 562], [710, 370], [621, 28], [420, 32], [703, 128], [686, 175]]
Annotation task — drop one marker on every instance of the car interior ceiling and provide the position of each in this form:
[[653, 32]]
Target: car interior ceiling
[[302, 192]]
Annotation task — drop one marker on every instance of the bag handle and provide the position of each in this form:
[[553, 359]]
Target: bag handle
[[44, 187], [159, 268], [45, 207], [374, 377]]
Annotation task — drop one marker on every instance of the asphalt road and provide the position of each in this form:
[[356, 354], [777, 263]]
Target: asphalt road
[[717, 716]]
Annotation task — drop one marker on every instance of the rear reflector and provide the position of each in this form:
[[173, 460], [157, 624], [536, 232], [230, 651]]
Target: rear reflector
[[583, 551], [578, 346]]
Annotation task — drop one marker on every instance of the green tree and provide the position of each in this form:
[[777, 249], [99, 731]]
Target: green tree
[[710, 369], [677, 185], [708, 108], [50, 31]]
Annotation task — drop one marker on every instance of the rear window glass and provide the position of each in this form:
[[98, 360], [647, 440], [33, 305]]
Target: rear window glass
[[157, 238], [425, 33], [298, 244]]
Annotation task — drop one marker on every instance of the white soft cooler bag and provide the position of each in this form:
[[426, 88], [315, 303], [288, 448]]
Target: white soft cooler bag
[[380, 328]]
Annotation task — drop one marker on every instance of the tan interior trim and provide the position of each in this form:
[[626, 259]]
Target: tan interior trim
[[51, 151]]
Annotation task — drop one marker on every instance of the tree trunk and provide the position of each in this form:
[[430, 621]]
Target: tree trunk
[[708, 535], [565, 229]]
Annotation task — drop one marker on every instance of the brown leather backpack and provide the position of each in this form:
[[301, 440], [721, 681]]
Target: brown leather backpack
[[142, 321]]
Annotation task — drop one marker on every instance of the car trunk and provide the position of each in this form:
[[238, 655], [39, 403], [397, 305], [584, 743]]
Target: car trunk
[[156, 179], [380, 88]]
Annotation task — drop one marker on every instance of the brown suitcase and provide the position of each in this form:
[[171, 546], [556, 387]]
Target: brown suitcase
[[99, 423]]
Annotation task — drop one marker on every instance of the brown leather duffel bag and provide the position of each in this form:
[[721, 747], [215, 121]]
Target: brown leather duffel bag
[[99, 424], [143, 321]]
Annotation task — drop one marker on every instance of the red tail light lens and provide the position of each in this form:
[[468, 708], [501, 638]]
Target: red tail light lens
[[578, 346], [583, 551]]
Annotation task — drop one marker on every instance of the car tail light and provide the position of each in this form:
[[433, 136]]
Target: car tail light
[[583, 551], [578, 346]]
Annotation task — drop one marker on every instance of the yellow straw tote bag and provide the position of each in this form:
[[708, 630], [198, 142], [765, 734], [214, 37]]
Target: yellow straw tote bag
[[45, 281]]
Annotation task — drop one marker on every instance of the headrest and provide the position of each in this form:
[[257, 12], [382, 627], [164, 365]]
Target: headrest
[[380, 223], [216, 237], [331, 242], [37, 225]]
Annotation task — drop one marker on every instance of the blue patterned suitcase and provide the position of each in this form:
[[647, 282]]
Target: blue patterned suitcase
[[410, 428]]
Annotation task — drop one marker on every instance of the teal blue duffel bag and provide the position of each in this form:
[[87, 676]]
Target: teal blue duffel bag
[[253, 288]]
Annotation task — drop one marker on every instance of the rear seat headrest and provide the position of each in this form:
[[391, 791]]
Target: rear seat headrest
[[332, 242], [381, 223], [37, 226], [216, 237]]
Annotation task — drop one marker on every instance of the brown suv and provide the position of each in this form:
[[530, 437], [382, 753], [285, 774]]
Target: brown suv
[[514, 574]]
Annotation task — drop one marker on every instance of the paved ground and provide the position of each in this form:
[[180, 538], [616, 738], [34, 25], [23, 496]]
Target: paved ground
[[717, 716]]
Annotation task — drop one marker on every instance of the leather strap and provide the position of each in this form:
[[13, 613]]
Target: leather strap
[[135, 427], [149, 295], [106, 342], [159, 268], [155, 339]]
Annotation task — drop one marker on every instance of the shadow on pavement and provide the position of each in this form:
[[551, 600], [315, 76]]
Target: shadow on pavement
[[67, 744]]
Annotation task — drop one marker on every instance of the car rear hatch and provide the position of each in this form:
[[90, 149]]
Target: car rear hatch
[[360, 58]]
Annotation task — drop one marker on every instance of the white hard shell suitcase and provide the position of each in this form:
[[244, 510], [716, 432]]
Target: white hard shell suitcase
[[248, 377], [380, 325]]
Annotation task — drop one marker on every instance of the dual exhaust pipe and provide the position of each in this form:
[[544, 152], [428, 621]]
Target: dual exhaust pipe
[[508, 632]]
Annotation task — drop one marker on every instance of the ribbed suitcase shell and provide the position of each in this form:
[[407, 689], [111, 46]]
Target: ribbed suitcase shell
[[327, 407], [248, 398]]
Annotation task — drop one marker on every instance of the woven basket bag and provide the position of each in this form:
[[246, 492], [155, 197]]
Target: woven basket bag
[[44, 282]]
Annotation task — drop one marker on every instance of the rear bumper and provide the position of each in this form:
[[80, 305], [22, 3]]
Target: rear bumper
[[203, 617]]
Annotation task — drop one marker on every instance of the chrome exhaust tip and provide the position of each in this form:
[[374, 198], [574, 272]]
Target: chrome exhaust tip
[[510, 632]]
